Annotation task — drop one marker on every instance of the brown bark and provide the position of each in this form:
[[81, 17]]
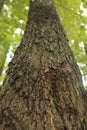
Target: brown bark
[[43, 89], [1, 4]]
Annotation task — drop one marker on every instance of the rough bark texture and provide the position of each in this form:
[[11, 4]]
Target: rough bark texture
[[43, 89]]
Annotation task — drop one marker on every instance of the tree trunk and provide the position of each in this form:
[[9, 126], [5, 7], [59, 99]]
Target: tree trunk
[[43, 88], [1, 4]]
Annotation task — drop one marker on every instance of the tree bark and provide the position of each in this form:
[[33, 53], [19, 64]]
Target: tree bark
[[1, 4], [43, 88]]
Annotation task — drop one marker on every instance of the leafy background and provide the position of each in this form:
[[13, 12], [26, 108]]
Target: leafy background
[[73, 16]]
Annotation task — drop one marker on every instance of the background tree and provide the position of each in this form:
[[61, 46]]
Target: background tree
[[1, 4], [43, 87]]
